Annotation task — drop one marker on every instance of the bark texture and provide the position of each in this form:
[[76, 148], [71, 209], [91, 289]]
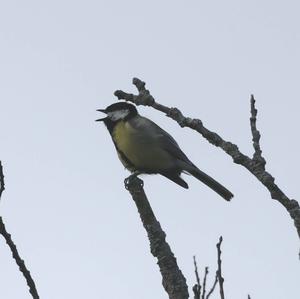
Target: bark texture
[[173, 280]]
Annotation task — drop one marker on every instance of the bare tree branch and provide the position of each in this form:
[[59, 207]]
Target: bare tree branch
[[19, 261], [219, 271], [255, 165], [196, 291], [172, 278], [13, 248], [213, 287], [2, 184], [204, 282], [197, 286], [257, 156]]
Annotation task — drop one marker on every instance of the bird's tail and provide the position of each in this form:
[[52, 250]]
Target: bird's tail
[[210, 182]]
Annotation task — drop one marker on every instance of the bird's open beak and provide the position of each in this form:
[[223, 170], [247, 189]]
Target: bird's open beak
[[103, 111]]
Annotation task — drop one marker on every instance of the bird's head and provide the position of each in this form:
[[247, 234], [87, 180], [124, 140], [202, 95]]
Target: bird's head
[[118, 111]]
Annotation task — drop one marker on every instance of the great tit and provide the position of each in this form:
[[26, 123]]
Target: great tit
[[144, 147]]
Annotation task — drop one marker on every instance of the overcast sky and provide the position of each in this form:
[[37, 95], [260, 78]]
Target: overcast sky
[[65, 204]]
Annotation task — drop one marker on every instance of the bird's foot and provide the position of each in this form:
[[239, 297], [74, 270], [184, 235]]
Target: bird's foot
[[133, 181]]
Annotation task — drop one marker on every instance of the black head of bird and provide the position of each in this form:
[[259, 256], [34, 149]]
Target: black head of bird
[[118, 111], [144, 147]]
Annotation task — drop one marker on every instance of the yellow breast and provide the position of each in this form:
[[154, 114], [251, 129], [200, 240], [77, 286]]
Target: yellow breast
[[123, 136], [143, 153]]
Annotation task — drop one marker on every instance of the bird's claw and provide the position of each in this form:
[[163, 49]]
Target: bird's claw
[[133, 180]]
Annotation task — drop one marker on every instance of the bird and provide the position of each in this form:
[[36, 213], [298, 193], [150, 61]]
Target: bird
[[145, 148]]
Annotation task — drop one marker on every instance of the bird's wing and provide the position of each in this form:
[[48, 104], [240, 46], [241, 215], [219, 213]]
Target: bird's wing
[[153, 133]]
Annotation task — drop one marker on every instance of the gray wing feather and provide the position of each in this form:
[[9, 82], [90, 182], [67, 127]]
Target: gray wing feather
[[151, 131]]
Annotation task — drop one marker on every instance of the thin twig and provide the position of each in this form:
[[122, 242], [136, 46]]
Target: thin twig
[[213, 287], [196, 291], [257, 156], [2, 184], [172, 278], [219, 271], [13, 248], [254, 165], [204, 282], [197, 286], [19, 261]]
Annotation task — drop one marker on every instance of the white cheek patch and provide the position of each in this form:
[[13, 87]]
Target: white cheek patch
[[117, 115]]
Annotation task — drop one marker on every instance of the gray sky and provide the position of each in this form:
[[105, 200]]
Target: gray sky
[[65, 203]]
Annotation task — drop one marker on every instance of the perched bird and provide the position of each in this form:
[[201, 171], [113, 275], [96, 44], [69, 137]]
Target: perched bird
[[144, 147]]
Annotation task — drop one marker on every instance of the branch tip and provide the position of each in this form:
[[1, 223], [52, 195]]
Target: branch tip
[[2, 183], [204, 282], [219, 271], [140, 85], [197, 286]]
